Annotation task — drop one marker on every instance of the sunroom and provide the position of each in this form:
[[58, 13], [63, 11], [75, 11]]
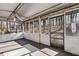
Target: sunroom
[[39, 29]]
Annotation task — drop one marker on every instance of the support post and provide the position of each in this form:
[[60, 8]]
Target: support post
[[15, 27], [64, 29], [23, 27], [29, 26], [33, 26], [39, 29], [7, 25], [1, 27], [49, 28]]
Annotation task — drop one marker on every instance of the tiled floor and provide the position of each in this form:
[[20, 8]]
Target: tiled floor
[[23, 47]]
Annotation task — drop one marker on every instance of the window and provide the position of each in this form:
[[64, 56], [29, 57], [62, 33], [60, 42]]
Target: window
[[45, 26], [12, 27], [36, 26], [72, 24], [26, 27], [19, 26], [3, 27], [31, 26], [57, 23]]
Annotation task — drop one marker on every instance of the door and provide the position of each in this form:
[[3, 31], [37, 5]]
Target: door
[[56, 33], [72, 33]]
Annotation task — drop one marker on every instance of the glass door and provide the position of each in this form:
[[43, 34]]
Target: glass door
[[56, 33]]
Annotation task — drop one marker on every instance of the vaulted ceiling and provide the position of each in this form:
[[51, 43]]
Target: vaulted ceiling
[[25, 10]]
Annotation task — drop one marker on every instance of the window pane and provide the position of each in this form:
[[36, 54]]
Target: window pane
[[72, 25], [36, 26]]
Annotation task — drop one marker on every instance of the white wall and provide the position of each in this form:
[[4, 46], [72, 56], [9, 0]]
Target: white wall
[[71, 44], [12, 36], [30, 36], [35, 37], [45, 39]]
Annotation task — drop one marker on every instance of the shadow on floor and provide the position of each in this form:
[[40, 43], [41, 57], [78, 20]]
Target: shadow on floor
[[33, 46]]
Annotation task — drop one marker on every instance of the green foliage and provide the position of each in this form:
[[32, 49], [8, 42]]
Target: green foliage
[[68, 29], [6, 32]]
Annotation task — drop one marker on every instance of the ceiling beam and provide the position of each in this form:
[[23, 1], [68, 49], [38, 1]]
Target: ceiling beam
[[38, 12], [16, 9], [47, 11], [18, 17], [5, 10], [34, 15], [22, 16]]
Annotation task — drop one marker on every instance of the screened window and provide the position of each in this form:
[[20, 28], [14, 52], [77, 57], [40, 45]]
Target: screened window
[[45, 26], [31, 26], [72, 23], [36, 26]]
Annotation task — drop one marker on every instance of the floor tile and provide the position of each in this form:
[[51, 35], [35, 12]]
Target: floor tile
[[49, 51], [17, 52], [38, 53], [31, 47]]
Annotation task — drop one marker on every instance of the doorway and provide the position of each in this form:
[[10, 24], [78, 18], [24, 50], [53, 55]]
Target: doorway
[[56, 32]]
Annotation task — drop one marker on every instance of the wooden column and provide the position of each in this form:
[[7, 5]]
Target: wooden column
[[50, 29], [7, 25], [15, 27], [33, 26], [22, 27], [24, 24], [64, 21], [10, 26], [39, 29], [1, 27], [29, 26]]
